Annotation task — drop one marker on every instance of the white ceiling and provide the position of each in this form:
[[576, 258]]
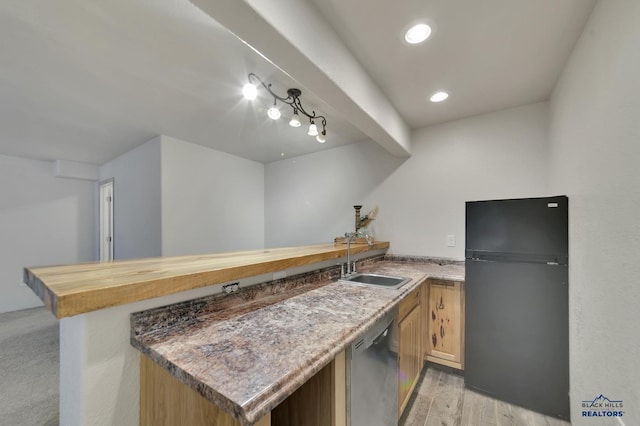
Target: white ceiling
[[87, 80], [489, 54]]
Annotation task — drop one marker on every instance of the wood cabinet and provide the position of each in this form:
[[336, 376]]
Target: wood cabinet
[[164, 400], [314, 403], [444, 337], [410, 360]]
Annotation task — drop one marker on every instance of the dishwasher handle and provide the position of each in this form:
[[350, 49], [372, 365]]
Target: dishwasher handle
[[377, 334], [381, 336]]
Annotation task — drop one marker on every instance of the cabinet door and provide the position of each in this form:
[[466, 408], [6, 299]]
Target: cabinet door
[[445, 319], [166, 401], [409, 356]]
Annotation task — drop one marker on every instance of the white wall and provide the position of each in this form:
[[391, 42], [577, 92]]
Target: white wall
[[44, 220], [137, 201], [595, 155], [173, 197], [196, 200], [211, 201], [309, 199]]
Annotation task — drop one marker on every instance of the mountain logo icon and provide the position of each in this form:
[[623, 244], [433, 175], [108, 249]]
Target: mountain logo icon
[[599, 400]]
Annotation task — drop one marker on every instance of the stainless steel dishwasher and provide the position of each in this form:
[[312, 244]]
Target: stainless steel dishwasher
[[372, 372]]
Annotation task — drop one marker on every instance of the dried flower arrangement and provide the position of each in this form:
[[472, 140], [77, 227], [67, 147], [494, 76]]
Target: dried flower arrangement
[[361, 224], [368, 218]]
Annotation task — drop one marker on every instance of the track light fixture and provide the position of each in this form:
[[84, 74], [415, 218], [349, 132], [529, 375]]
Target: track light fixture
[[250, 92]]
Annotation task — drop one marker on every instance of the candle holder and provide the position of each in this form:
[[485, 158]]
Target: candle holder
[[358, 219]]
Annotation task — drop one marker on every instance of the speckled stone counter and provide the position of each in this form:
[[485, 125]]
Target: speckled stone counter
[[247, 352]]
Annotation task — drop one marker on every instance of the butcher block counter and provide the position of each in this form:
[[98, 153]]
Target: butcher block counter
[[76, 289], [247, 352]]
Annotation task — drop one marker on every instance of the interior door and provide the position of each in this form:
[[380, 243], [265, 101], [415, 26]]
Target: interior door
[[106, 220]]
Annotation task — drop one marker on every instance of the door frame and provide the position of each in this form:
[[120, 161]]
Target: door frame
[[105, 222]]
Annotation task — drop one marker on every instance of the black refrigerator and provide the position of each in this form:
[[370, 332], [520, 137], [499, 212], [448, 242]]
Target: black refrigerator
[[517, 302]]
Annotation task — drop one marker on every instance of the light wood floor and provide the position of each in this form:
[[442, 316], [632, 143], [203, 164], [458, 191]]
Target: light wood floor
[[440, 399]]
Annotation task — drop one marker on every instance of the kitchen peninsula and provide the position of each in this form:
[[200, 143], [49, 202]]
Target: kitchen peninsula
[[245, 353], [99, 369]]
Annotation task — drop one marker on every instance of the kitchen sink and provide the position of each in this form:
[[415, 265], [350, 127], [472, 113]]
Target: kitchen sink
[[376, 280]]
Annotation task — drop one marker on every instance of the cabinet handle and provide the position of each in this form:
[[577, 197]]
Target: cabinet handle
[[444, 283]]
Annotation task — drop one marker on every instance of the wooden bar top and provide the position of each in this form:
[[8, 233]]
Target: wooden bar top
[[69, 290]]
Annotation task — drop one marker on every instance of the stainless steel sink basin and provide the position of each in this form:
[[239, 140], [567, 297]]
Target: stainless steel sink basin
[[377, 280]]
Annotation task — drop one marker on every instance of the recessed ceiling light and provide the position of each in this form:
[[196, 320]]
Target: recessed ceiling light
[[417, 33], [439, 96]]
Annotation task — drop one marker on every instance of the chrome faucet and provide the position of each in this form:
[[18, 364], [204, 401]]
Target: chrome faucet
[[350, 236]]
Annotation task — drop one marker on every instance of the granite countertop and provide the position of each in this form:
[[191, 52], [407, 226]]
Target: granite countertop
[[249, 351]]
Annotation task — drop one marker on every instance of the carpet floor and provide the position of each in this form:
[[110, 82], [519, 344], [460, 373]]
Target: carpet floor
[[29, 368]]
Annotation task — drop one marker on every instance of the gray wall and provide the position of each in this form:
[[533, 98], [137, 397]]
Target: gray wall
[[309, 199], [595, 154], [211, 201], [44, 220], [173, 198], [137, 221]]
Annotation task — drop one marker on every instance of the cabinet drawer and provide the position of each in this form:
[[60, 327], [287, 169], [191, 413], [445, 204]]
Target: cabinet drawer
[[409, 302], [451, 283]]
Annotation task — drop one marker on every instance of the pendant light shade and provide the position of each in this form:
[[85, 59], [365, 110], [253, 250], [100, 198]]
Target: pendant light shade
[[313, 129], [295, 120], [273, 113], [249, 91]]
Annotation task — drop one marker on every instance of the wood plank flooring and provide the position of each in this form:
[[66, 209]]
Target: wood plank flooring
[[440, 399]]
